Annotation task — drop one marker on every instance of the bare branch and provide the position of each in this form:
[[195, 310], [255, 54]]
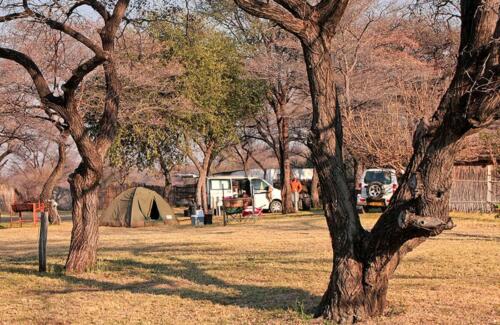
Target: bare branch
[[96, 5], [35, 73]]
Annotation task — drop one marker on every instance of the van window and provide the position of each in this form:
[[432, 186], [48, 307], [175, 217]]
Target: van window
[[220, 184], [378, 176], [258, 185]]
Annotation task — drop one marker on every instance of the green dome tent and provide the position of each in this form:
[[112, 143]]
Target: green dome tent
[[137, 207]]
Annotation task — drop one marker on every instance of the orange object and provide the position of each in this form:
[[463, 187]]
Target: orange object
[[296, 185], [35, 208]]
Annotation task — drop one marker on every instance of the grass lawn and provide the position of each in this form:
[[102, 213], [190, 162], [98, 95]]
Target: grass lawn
[[272, 272]]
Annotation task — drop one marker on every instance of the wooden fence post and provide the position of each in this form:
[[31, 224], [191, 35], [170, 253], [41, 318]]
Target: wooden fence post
[[489, 187], [42, 243]]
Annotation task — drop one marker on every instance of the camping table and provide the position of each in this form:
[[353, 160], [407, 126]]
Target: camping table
[[233, 210]]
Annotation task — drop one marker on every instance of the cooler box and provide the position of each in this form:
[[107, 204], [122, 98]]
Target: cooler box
[[198, 219]]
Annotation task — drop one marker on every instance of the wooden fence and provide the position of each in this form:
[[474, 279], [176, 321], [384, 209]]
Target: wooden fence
[[475, 188]]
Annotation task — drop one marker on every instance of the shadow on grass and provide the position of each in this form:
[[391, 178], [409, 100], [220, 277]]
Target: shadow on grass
[[182, 278], [470, 236]]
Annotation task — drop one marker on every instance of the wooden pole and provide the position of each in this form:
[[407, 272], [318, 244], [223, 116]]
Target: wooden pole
[[489, 188], [42, 243]]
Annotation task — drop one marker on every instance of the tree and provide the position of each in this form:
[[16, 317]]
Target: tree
[[279, 63], [391, 71], [215, 94], [364, 260], [277, 59], [146, 145], [63, 102]]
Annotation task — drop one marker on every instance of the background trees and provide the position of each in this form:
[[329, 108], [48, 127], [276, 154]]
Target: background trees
[[145, 144], [216, 95]]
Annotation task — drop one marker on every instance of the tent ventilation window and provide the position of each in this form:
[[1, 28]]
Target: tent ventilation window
[[155, 213]]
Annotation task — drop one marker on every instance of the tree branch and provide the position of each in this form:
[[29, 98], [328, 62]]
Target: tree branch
[[329, 13], [96, 5], [35, 73], [276, 13], [80, 72], [299, 8]]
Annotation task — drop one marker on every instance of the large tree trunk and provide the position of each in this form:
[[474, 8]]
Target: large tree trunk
[[363, 262], [345, 298], [48, 187], [84, 184], [84, 181]]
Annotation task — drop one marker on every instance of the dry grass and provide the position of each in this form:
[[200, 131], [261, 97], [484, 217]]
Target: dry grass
[[271, 272]]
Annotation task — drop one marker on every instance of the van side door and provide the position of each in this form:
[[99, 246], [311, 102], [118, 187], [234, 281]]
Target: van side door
[[260, 190]]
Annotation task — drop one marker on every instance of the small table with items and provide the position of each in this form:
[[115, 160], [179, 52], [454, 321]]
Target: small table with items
[[239, 209]]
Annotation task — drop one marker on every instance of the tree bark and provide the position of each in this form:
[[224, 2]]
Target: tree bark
[[284, 160], [315, 190], [166, 178], [84, 181], [84, 184], [48, 187], [203, 169], [344, 301]]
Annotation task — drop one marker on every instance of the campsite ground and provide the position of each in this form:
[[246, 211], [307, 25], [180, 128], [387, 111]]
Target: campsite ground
[[273, 271]]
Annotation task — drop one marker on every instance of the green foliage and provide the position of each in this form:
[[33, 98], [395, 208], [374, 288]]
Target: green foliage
[[218, 94], [143, 146]]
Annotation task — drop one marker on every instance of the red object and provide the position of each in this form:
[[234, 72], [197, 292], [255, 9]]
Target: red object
[[394, 187], [27, 207], [249, 212]]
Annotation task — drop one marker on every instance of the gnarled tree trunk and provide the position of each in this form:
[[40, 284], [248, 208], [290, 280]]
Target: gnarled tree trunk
[[84, 181], [345, 297], [92, 149], [84, 184], [365, 261]]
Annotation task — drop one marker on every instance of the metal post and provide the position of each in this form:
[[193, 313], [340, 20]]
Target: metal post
[[42, 242]]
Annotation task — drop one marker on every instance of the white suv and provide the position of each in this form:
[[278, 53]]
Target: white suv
[[377, 186]]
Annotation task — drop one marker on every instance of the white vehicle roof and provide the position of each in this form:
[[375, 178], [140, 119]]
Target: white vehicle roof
[[380, 169], [234, 177]]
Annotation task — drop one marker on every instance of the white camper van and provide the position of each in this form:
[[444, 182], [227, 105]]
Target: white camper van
[[266, 197]]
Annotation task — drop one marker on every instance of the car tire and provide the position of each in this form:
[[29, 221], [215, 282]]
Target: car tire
[[275, 207], [375, 190]]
